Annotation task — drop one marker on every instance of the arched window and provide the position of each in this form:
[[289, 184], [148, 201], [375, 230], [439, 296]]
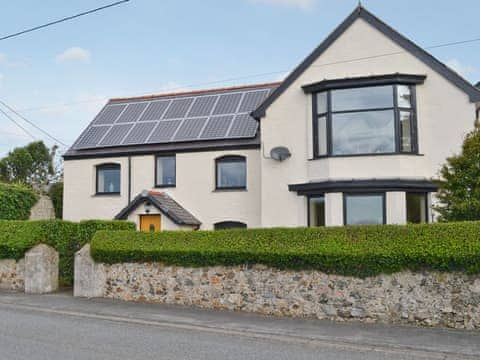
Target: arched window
[[229, 225], [108, 179], [231, 173]]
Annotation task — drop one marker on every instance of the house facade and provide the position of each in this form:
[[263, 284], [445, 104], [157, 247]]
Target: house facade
[[353, 135]]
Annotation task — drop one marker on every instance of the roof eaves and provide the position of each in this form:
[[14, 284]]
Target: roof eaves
[[410, 46]]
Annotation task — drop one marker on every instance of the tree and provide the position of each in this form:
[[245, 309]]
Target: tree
[[31, 165], [459, 187], [56, 194]]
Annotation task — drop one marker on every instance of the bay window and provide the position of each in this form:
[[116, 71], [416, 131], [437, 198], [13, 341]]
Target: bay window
[[364, 120], [364, 209]]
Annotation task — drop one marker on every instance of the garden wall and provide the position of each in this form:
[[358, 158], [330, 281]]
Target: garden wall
[[429, 298]]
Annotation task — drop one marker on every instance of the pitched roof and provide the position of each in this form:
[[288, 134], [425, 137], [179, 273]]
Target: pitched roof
[[361, 13], [163, 202], [174, 121]]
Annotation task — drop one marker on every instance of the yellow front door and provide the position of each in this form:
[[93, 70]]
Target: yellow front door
[[150, 223]]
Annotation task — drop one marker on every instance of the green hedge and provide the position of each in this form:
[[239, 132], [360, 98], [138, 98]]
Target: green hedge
[[356, 251], [17, 237], [56, 194], [16, 201]]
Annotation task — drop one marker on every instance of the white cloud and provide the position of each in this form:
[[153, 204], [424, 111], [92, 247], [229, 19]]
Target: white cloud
[[302, 4], [463, 69], [74, 53]]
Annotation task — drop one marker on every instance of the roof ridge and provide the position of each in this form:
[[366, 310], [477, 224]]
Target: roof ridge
[[195, 92]]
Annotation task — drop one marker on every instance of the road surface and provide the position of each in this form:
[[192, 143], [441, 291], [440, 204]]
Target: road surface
[[61, 327]]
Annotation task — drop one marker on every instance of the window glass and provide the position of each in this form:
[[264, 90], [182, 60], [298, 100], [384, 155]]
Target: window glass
[[405, 131], [322, 103], [362, 98], [416, 208], [317, 211], [404, 96], [108, 179], [363, 133], [364, 209], [166, 171], [231, 173], [322, 135], [229, 225]]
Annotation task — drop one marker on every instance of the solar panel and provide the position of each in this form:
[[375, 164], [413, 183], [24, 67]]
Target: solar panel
[[132, 112], [223, 114], [243, 126], [252, 100], [190, 129], [139, 133], [155, 110], [217, 127], [178, 109], [203, 106], [116, 134], [164, 131], [227, 104], [109, 114], [92, 136]]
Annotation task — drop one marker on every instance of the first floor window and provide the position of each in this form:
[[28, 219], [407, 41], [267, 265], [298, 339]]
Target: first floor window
[[365, 120], [316, 211], [417, 208], [231, 172], [165, 171], [229, 225], [364, 209], [108, 179]]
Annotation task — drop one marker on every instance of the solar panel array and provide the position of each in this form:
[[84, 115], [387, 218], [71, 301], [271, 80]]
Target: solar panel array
[[205, 116]]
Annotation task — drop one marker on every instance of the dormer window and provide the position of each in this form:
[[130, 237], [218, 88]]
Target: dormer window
[[365, 117]]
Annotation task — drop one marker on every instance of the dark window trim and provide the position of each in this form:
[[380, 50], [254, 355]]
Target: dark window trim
[[229, 225], [364, 81], [369, 193], [106, 166], [396, 113], [164, 186], [371, 185], [230, 158], [425, 193], [313, 196]]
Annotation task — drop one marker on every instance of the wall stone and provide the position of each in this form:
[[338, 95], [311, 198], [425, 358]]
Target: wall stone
[[428, 299], [90, 277], [41, 270], [12, 275], [43, 209]]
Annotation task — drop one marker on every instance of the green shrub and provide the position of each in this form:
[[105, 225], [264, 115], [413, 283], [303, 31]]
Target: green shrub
[[56, 194], [16, 201], [355, 251], [17, 237]]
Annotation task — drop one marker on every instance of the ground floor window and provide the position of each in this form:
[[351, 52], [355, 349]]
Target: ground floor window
[[316, 211], [417, 208], [229, 225], [364, 209]]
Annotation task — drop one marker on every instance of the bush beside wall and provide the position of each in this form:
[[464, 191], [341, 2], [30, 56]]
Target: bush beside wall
[[354, 251], [56, 194], [17, 237], [16, 201]]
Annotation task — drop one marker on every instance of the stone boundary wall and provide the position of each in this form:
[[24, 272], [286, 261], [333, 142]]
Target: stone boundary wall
[[36, 273], [428, 298], [12, 275]]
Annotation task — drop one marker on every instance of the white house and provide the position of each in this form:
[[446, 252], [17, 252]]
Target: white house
[[353, 135]]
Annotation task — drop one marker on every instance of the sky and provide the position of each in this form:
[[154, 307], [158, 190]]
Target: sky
[[60, 77]]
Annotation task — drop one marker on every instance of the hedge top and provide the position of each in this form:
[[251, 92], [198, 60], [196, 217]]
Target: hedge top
[[357, 251]]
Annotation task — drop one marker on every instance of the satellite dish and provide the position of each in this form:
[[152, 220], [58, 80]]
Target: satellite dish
[[280, 153]]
